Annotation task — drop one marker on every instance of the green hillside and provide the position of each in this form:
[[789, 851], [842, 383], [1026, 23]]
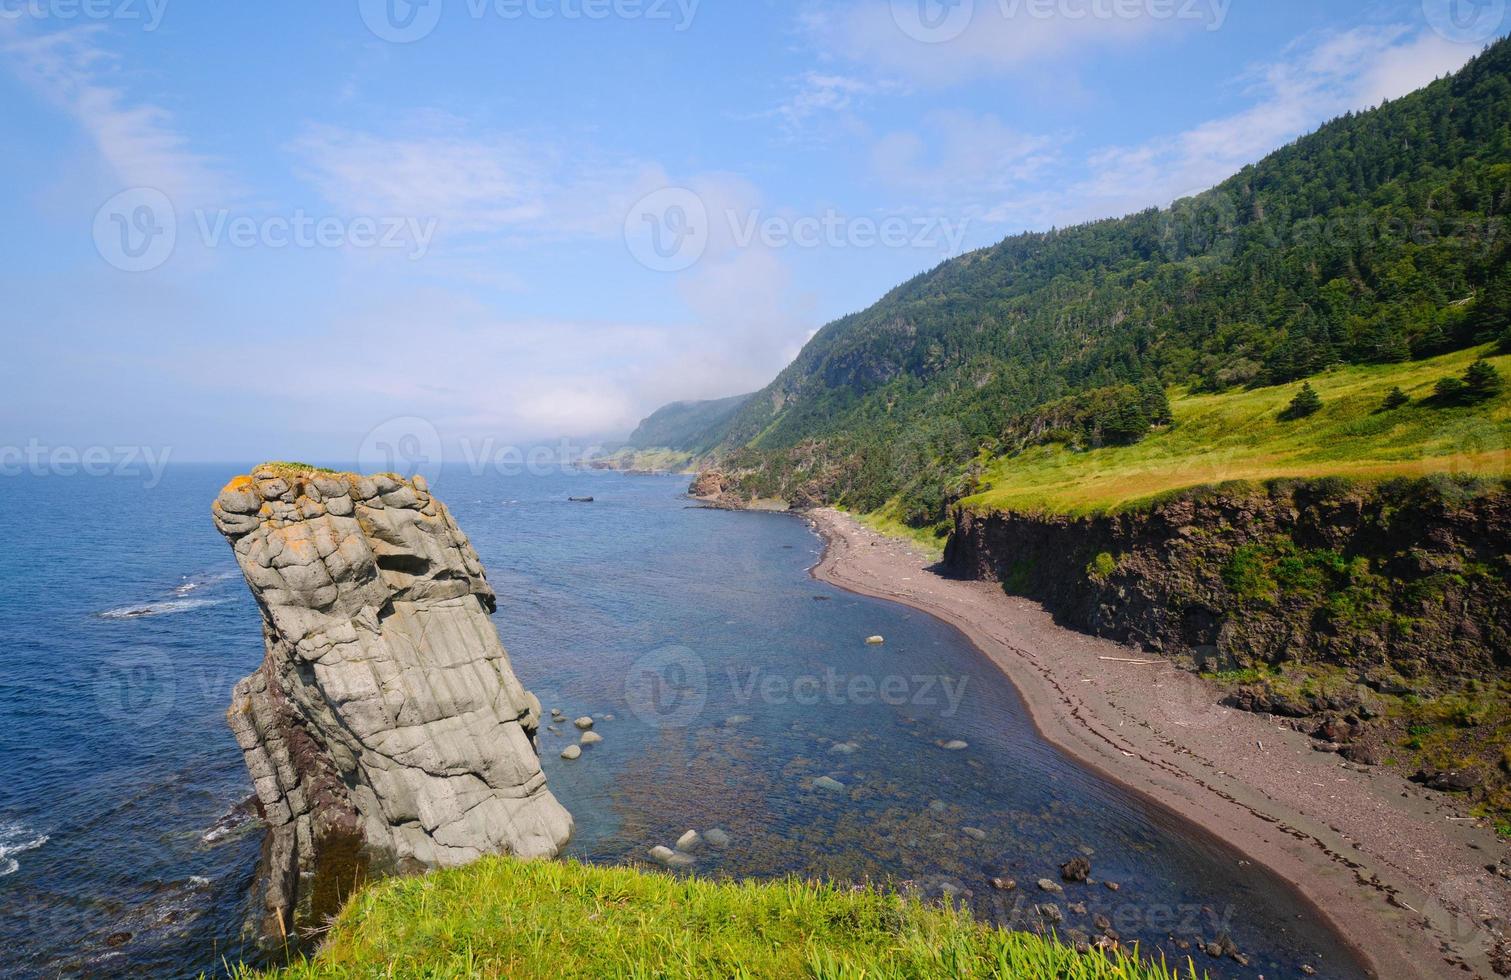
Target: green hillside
[[502, 917], [1242, 435], [693, 427], [1374, 241]]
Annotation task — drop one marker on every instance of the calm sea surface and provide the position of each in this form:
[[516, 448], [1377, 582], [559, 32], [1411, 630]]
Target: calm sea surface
[[735, 682]]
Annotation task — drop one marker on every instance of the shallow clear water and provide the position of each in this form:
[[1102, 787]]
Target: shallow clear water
[[734, 680]]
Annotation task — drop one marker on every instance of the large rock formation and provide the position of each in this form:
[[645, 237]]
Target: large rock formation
[[385, 727], [1408, 577]]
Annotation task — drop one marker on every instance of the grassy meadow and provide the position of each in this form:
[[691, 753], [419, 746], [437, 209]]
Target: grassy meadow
[[507, 918], [1240, 436]]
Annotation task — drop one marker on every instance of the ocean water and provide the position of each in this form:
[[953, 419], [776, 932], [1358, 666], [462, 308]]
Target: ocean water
[[734, 681]]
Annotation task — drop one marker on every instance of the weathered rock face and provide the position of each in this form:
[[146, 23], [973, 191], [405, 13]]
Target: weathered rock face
[[385, 728], [1412, 579]]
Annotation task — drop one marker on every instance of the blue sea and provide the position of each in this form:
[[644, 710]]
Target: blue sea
[[742, 693]]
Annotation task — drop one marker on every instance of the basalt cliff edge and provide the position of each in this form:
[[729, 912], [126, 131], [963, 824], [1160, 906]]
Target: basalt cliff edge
[[385, 729]]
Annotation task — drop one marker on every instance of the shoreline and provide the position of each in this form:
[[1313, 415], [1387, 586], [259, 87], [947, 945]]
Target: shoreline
[[1391, 868]]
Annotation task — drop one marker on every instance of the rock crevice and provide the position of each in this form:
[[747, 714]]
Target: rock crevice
[[385, 729]]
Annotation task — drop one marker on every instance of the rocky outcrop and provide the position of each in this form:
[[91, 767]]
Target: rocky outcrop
[[1400, 580], [385, 729], [718, 490]]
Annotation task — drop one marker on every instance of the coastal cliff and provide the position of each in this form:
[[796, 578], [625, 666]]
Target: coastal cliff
[[1376, 616], [385, 729], [1403, 577]]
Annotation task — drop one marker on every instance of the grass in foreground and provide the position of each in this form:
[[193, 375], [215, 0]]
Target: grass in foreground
[[502, 917], [1240, 436]]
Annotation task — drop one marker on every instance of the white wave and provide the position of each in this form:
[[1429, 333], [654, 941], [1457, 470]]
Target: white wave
[[192, 583], [16, 839], [164, 608]]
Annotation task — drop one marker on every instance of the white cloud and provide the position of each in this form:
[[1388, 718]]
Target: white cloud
[[998, 36], [958, 150], [826, 94], [475, 183], [137, 140], [1317, 79]]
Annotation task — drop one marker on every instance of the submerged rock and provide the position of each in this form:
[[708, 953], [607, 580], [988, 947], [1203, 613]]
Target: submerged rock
[[590, 738], [689, 841], [717, 838], [955, 746], [385, 728], [1076, 870], [830, 785]]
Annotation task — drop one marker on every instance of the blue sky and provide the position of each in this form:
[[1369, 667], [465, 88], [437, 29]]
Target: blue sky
[[265, 230]]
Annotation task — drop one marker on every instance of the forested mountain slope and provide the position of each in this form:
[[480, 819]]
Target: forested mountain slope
[[1377, 239], [693, 427]]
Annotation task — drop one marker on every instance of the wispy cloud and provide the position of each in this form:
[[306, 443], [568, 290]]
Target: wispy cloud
[[959, 151], [977, 38], [137, 140], [821, 94], [1317, 79], [475, 183]]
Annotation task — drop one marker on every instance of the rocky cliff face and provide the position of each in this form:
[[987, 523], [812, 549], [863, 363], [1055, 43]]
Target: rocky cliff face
[[385, 727], [1406, 578]]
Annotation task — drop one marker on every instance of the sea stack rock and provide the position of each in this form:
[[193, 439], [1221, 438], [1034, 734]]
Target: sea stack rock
[[385, 730]]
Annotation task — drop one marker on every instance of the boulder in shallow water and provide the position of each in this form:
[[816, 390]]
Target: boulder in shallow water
[[876, 641], [590, 738], [957, 745], [584, 723], [1076, 870], [689, 841], [829, 785], [716, 838]]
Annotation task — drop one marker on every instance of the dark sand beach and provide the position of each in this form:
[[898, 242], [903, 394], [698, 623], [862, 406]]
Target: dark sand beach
[[1397, 869]]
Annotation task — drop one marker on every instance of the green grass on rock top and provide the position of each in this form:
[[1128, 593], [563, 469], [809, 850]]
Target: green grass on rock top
[[507, 918], [1241, 436]]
